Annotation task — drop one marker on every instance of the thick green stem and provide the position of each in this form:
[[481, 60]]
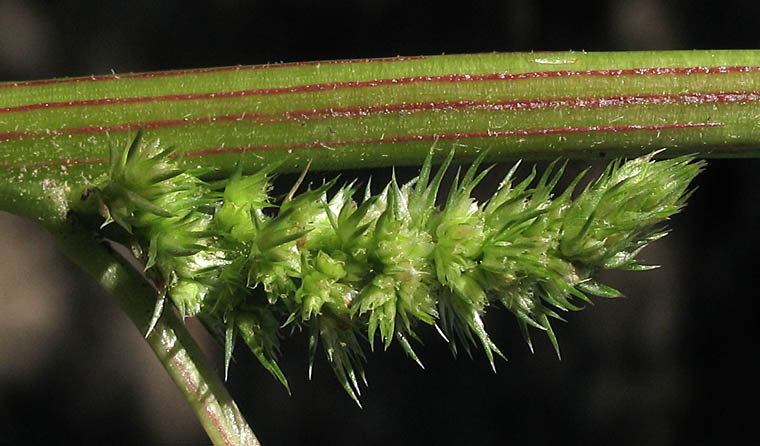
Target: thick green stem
[[342, 114], [173, 345], [382, 112]]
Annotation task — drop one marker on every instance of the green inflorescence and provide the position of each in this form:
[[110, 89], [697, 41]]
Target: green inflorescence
[[347, 265]]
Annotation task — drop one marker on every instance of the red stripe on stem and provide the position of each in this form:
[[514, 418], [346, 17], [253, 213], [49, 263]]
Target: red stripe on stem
[[170, 73], [348, 112], [454, 136], [453, 78], [395, 139]]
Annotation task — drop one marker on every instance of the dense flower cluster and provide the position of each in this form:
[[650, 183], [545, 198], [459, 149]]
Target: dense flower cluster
[[348, 264]]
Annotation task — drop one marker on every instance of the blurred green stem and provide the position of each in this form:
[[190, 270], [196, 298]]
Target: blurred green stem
[[175, 348]]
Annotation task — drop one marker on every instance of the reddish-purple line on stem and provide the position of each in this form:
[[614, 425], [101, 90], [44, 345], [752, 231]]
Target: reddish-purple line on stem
[[191, 71], [452, 78], [54, 163], [395, 139], [510, 105], [455, 136], [348, 112]]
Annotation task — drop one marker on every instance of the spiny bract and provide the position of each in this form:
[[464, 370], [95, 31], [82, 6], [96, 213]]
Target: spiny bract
[[382, 265]]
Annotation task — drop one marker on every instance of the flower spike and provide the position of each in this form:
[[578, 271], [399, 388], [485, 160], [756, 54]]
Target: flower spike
[[351, 265]]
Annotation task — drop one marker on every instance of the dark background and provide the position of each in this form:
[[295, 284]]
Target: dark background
[[671, 364]]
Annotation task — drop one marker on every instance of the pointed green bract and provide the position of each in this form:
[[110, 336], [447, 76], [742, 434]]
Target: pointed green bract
[[170, 212], [351, 265]]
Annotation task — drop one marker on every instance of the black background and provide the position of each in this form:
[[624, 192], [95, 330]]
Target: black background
[[672, 363]]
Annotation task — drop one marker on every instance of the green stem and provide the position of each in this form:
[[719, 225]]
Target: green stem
[[342, 114], [382, 112], [169, 339], [172, 344]]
